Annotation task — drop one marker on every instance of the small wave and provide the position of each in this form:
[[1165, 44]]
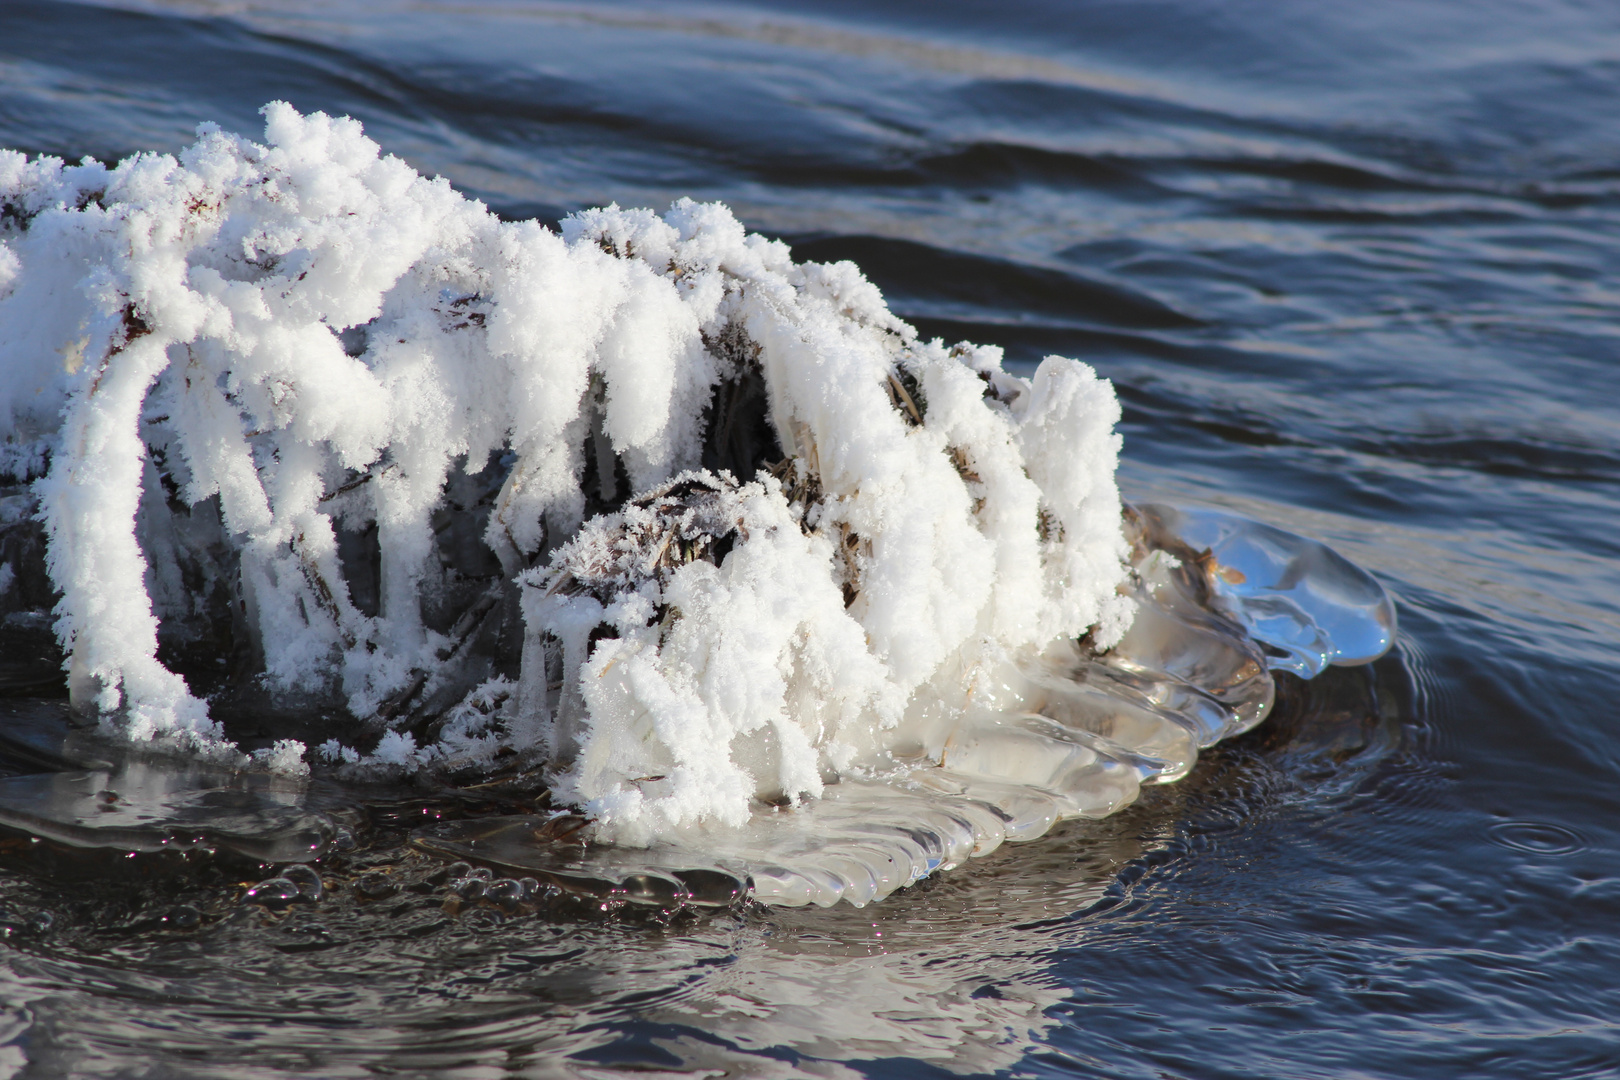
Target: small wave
[[931, 279], [1537, 838]]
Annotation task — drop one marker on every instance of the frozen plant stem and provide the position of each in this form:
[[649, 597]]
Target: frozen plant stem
[[645, 500]]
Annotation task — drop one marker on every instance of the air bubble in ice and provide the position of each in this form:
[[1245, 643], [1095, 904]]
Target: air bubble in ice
[[274, 893], [505, 894], [376, 886], [469, 888], [309, 883], [182, 917]]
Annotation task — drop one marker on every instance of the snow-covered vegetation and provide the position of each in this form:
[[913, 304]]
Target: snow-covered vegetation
[[643, 504]]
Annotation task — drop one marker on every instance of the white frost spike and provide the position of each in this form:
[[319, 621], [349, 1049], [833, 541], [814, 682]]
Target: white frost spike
[[1066, 432], [343, 353], [755, 655]]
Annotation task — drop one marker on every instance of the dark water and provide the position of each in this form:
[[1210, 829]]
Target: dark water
[[1354, 269]]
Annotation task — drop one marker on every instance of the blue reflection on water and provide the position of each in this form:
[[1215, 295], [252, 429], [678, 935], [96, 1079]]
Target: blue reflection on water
[[1351, 270]]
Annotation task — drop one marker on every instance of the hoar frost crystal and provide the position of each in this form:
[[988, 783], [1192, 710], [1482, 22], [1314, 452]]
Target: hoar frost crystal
[[644, 504]]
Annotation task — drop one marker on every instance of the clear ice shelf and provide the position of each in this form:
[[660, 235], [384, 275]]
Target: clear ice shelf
[[1223, 601]]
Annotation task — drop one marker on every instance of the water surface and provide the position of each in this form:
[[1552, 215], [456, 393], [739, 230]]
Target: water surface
[[1354, 270]]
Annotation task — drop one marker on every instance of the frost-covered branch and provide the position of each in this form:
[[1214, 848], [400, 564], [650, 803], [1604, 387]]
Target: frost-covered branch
[[643, 499]]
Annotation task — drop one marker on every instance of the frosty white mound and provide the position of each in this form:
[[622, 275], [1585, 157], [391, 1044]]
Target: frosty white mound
[[646, 502]]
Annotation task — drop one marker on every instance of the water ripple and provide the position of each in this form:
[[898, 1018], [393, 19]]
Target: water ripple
[[1537, 837]]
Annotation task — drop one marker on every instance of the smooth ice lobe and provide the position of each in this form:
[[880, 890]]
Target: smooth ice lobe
[[1309, 605]]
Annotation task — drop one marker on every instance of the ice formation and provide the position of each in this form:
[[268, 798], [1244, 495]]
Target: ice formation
[[643, 503], [310, 461]]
